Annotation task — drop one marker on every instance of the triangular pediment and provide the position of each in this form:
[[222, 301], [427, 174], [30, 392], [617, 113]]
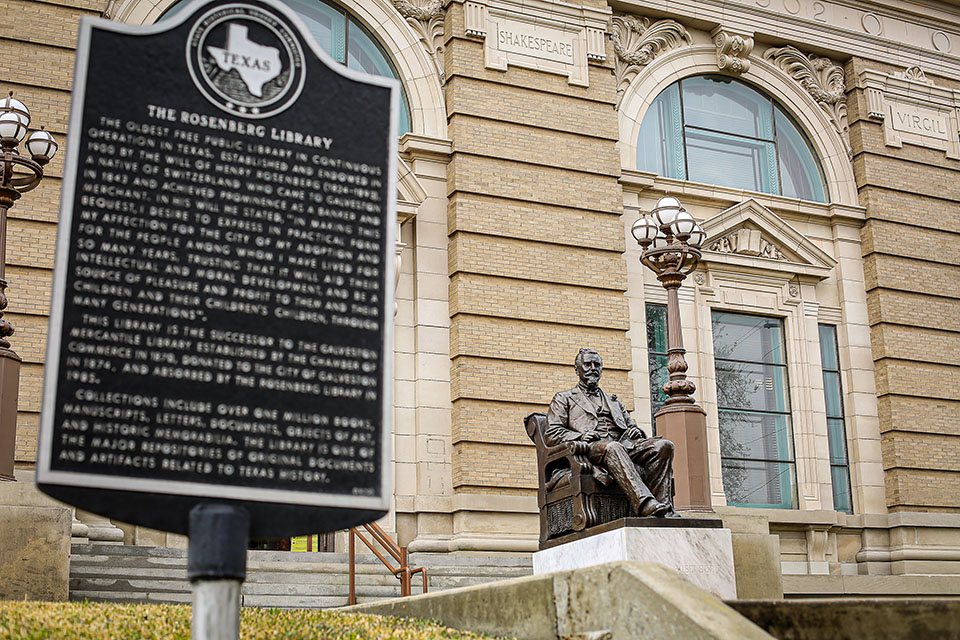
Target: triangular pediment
[[749, 232]]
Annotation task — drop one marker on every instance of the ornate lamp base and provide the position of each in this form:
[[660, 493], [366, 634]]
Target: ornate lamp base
[[686, 426]]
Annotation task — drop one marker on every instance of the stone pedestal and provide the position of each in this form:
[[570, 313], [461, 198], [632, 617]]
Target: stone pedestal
[[686, 427], [9, 391], [704, 556], [34, 553]]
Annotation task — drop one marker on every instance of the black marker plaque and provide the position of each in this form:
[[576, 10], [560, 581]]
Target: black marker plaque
[[220, 323]]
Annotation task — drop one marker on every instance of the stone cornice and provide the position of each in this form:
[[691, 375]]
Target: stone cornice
[[779, 27]]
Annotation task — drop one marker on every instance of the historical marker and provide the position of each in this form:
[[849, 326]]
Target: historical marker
[[221, 324]]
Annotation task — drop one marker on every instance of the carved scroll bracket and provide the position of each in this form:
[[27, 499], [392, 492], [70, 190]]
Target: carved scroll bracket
[[637, 41], [822, 79], [733, 50], [426, 19]]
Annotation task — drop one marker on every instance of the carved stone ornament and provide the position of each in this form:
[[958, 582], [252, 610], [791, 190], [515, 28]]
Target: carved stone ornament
[[474, 20], [733, 51], [426, 19], [820, 78], [794, 291], [747, 242], [914, 74], [637, 41]]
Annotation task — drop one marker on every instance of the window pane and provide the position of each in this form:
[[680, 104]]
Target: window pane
[[762, 436], [364, 54], [828, 347], [759, 484], [656, 348], [716, 158], [656, 328], [720, 104], [658, 376], [741, 337], [831, 391], [327, 24], [742, 385], [800, 174], [837, 440], [840, 476], [660, 143]]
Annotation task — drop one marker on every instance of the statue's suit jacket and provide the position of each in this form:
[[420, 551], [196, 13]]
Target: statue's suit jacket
[[571, 415]]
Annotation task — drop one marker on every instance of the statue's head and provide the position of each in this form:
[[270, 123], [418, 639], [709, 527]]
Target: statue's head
[[589, 366]]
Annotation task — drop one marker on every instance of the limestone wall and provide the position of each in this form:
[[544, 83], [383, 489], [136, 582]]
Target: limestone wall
[[37, 42], [904, 131]]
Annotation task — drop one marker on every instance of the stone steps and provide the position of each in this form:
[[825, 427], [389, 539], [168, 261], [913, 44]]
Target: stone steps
[[114, 573]]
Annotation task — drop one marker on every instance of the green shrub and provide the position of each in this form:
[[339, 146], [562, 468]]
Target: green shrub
[[107, 621]]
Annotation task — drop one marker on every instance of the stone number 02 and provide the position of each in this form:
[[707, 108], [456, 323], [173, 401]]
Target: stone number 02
[[817, 10]]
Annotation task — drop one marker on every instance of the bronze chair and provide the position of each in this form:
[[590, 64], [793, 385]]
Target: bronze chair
[[573, 494]]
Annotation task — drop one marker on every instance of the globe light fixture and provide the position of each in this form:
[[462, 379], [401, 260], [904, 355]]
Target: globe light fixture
[[666, 210], [672, 252], [645, 230], [18, 174]]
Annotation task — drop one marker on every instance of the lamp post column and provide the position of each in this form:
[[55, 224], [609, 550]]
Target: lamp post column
[[671, 243], [18, 174], [9, 361], [681, 420]]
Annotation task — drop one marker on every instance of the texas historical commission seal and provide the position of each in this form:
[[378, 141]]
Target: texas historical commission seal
[[246, 60]]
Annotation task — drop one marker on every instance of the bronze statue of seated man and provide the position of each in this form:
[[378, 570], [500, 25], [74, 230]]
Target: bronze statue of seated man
[[597, 425]]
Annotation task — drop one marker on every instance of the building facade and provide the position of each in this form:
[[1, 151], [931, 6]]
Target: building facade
[[816, 143]]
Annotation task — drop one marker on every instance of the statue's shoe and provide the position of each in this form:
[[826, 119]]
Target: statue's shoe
[[653, 509]]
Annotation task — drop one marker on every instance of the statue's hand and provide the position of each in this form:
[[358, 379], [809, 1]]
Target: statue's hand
[[635, 433], [579, 448], [590, 436]]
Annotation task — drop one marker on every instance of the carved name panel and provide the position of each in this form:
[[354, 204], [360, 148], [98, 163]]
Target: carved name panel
[[515, 41], [541, 35], [913, 110]]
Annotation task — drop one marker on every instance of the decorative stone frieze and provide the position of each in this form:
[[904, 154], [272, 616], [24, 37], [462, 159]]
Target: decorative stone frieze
[[913, 109], [426, 19], [748, 242], [637, 41], [545, 35], [733, 50], [822, 79], [748, 231]]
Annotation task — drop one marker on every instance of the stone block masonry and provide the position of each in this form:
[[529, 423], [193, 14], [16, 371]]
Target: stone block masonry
[[535, 251], [911, 273]]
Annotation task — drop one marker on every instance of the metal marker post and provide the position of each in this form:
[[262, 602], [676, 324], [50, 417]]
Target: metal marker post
[[217, 566]]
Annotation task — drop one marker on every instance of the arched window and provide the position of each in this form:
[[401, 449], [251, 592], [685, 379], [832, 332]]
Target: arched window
[[345, 39], [720, 131]]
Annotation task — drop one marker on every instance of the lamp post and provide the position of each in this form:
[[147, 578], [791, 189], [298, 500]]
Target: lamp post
[[671, 238], [18, 174]]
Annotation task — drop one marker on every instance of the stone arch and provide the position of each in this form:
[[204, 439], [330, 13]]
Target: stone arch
[[677, 64], [417, 71]]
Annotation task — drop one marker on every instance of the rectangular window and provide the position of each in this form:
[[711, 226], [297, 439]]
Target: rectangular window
[[836, 432], [756, 440], [657, 357]]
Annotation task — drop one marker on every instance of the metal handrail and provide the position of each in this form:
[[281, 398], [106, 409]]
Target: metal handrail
[[403, 572]]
